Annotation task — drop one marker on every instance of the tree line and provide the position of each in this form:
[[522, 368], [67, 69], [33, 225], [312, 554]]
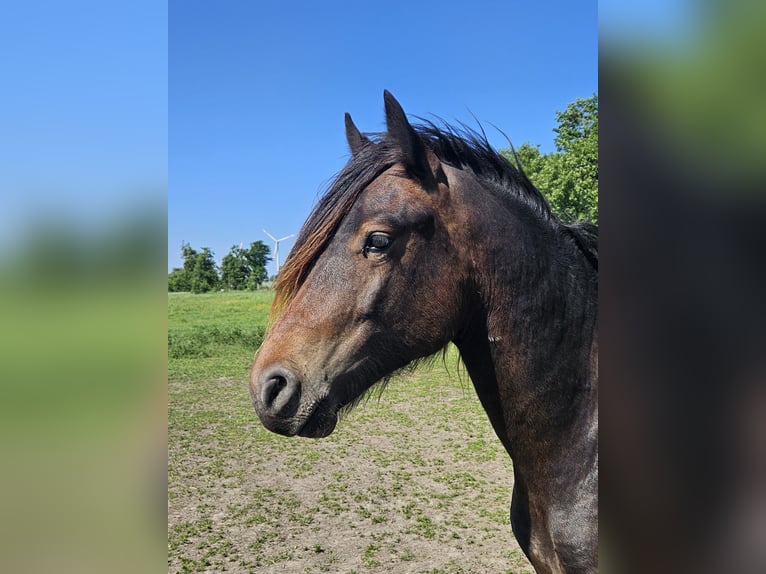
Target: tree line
[[568, 177], [241, 269]]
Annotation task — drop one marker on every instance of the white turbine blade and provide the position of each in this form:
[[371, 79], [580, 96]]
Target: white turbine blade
[[286, 237], [270, 235]]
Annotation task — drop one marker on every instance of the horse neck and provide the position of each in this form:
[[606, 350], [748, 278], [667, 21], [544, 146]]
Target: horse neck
[[529, 338]]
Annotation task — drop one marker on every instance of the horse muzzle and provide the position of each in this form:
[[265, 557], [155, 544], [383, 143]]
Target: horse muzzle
[[284, 408]]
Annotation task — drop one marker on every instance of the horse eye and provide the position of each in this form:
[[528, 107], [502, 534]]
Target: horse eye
[[377, 243]]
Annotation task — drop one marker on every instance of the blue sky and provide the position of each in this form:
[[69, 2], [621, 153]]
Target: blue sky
[[83, 113], [257, 93]]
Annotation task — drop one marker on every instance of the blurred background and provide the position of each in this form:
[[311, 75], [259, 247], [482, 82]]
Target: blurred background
[[683, 223], [83, 178]]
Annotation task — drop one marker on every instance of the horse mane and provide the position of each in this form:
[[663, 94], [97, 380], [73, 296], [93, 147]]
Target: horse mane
[[463, 148], [467, 148], [585, 235]]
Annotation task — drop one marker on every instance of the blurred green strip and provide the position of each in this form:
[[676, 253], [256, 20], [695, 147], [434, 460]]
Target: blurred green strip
[[703, 89]]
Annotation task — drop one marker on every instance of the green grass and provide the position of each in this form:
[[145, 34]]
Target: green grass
[[413, 477], [215, 334]]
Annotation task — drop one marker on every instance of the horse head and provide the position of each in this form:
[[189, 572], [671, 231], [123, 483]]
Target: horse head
[[373, 283]]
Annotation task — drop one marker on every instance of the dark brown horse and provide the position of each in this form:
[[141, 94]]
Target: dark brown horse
[[429, 236]]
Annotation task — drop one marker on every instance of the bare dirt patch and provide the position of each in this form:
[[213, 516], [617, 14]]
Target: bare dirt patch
[[413, 482]]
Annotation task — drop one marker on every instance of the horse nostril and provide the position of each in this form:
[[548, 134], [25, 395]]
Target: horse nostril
[[272, 388], [280, 395]]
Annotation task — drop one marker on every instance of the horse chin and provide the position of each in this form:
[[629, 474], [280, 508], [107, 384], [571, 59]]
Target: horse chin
[[319, 425]]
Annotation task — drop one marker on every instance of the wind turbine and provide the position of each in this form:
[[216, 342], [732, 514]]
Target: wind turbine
[[276, 245]]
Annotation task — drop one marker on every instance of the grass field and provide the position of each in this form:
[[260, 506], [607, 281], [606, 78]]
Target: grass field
[[414, 481]]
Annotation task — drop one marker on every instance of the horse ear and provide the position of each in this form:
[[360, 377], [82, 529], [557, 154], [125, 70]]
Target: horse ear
[[416, 157], [356, 141]]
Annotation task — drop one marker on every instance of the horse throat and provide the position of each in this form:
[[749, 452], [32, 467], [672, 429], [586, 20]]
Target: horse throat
[[528, 347]]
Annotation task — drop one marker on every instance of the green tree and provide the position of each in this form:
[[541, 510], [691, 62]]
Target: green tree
[[544, 170], [568, 177], [240, 269], [204, 276], [257, 256], [577, 142], [199, 273], [245, 268], [178, 280], [235, 269]]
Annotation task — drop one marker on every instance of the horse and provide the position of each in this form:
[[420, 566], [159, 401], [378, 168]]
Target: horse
[[429, 236]]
